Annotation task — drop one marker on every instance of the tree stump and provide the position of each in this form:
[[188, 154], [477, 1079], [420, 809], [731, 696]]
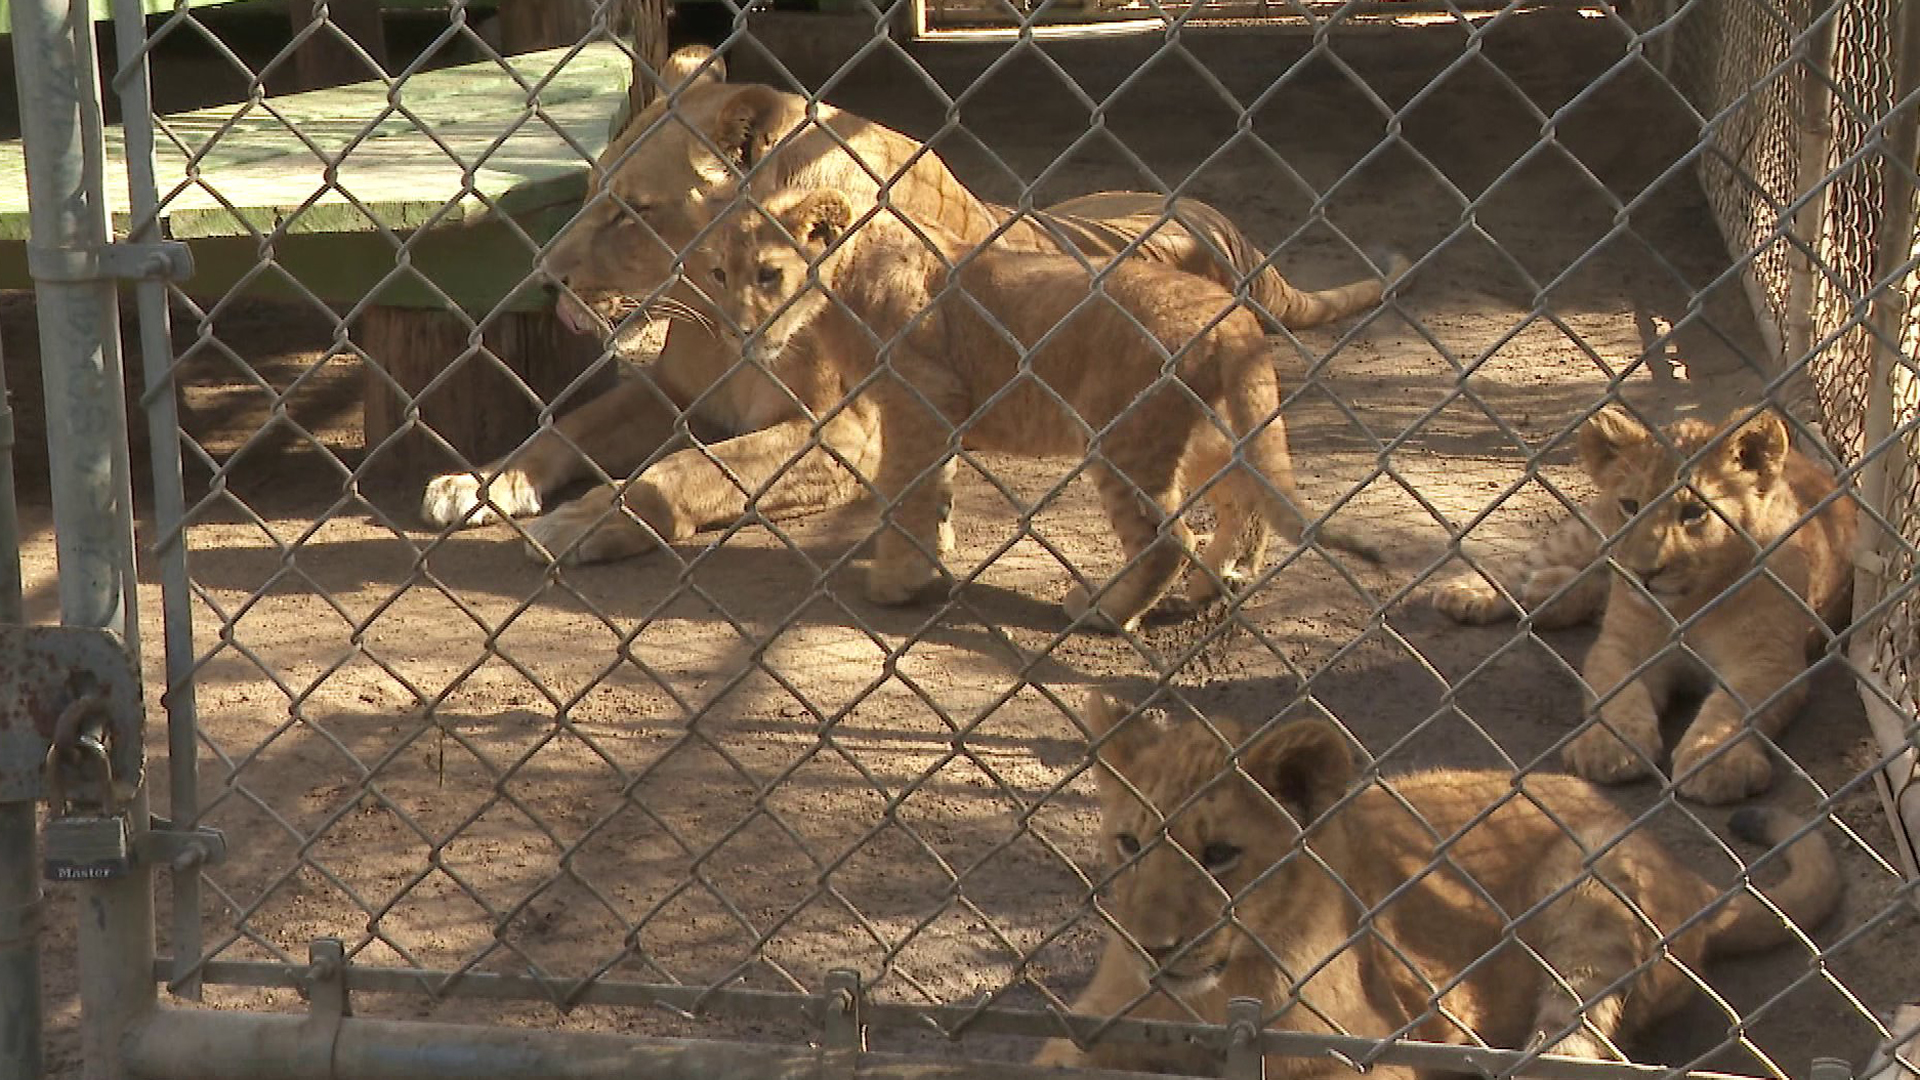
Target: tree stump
[[476, 408]]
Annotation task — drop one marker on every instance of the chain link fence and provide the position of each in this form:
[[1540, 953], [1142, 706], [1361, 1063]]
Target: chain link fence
[[434, 370]]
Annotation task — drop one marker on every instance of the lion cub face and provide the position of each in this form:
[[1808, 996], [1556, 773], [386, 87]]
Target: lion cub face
[[1687, 525], [760, 266], [1190, 835]]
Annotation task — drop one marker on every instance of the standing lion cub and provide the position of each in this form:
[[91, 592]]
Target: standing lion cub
[[1156, 375], [1449, 906]]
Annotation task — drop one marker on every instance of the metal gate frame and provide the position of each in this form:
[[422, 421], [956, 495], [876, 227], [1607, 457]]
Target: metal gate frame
[[126, 1032]]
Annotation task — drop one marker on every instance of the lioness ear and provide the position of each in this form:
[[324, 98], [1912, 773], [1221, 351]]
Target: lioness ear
[[1606, 435], [745, 127], [1758, 447], [691, 65], [1305, 765], [820, 219], [688, 67]]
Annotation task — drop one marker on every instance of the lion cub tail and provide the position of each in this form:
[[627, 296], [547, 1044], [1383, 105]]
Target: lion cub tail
[[1806, 897]]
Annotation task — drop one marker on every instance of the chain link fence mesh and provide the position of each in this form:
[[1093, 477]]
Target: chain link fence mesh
[[702, 778]]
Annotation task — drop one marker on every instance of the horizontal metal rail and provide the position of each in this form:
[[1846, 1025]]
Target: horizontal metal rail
[[952, 1019]]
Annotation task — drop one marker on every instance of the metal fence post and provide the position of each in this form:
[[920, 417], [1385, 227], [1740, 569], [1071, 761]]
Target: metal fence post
[[61, 129], [20, 911], [169, 545], [1893, 247]]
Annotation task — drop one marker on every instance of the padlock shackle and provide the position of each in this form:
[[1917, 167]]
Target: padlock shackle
[[86, 748]]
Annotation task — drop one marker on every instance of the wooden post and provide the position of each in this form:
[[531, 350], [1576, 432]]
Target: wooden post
[[323, 59], [532, 25], [477, 409], [647, 24]]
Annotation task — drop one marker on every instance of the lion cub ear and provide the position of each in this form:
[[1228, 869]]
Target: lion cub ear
[[1119, 751], [819, 220], [1606, 435], [1304, 764], [1758, 447], [747, 125]]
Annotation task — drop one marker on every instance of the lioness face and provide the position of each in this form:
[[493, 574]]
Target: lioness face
[[1193, 837], [1686, 494], [759, 266], [625, 248]]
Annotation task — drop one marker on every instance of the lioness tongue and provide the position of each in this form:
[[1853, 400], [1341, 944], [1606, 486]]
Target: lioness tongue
[[568, 318]]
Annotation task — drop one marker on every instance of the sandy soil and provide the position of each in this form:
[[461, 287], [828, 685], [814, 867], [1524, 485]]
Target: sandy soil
[[719, 764]]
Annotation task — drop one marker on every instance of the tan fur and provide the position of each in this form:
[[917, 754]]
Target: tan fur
[[1697, 531], [619, 253], [1190, 835], [1566, 558], [798, 274]]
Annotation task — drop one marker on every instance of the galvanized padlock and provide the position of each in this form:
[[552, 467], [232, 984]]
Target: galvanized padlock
[[85, 846]]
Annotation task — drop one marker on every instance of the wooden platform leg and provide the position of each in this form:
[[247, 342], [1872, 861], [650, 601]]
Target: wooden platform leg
[[477, 408]]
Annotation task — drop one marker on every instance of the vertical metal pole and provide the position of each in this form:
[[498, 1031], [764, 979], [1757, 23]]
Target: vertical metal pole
[[1808, 225], [1888, 323], [20, 908], [62, 133], [169, 491]]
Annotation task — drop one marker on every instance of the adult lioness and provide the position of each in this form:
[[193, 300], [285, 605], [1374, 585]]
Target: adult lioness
[[1413, 906], [1155, 374], [1728, 527], [758, 444]]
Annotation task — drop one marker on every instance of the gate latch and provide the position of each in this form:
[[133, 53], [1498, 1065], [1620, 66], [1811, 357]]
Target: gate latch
[[168, 260]]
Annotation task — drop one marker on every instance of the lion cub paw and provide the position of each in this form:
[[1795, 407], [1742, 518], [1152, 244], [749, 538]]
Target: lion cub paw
[[1599, 754], [1729, 775], [1468, 599], [457, 498], [589, 529], [1079, 606]]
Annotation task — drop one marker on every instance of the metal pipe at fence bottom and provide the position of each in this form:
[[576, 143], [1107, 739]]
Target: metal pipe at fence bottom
[[184, 1044]]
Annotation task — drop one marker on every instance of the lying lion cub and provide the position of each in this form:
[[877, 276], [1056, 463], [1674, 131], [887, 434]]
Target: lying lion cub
[[950, 352], [1697, 508], [1361, 928]]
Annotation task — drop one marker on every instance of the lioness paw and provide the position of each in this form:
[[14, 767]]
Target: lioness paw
[[901, 581], [1727, 775], [589, 529], [1599, 754], [456, 498]]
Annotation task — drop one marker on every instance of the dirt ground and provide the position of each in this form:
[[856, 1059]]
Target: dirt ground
[[718, 764]]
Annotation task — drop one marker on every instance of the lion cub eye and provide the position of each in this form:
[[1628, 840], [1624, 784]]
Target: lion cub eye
[[1629, 507], [1219, 858], [1128, 843], [769, 277], [719, 276], [1693, 513]]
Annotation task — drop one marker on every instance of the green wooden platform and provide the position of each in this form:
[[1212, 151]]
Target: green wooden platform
[[328, 183], [402, 205]]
